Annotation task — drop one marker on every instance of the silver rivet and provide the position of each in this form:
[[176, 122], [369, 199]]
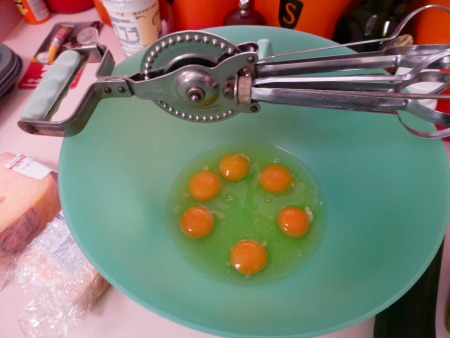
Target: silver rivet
[[195, 94], [228, 93]]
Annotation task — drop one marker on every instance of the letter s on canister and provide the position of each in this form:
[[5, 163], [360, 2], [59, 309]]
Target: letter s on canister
[[317, 17], [289, 13]]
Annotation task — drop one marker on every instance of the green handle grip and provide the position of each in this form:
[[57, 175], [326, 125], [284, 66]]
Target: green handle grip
[[53, 86]]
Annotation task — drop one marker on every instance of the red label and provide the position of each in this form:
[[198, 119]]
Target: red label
[[34, 74]]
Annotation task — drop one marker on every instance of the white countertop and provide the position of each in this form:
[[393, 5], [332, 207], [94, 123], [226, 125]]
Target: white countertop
[[115, 315]]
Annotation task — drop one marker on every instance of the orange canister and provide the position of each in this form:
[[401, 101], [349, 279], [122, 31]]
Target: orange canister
[[195, 14], [432, 25], [317, 17], [33, 11]]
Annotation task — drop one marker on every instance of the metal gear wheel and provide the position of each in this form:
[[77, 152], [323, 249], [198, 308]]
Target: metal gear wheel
[[193, 91]]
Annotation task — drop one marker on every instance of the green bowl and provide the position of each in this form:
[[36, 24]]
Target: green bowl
[[386, 194]]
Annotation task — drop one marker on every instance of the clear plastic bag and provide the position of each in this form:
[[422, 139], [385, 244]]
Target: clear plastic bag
[[63, 282], [14, 240], [7, 266]]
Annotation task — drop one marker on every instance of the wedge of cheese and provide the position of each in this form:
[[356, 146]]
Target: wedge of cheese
[[27, 204]]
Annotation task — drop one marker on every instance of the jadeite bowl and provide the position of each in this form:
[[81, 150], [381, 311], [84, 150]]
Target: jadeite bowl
[[386, 194]]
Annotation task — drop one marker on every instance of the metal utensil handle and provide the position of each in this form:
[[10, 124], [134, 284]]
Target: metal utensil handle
[[407, 56], [391, 37], [352, 89], [39, 122], [371, 102]]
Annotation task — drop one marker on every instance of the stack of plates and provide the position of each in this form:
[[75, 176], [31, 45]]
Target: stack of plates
[[10, 69]]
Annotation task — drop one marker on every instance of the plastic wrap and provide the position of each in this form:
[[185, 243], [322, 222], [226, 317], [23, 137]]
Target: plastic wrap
[[63, 283], [14, 240], [6, 270]]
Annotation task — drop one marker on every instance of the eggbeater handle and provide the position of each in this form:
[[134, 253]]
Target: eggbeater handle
[[37, 115], [360, 82]]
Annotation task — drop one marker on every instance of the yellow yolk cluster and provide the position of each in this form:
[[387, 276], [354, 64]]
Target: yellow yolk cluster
[[247, 256]]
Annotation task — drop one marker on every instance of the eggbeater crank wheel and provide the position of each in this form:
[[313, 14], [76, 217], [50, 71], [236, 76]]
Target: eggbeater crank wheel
[[195, 91]]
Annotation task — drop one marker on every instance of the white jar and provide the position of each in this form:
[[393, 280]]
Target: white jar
[[136, 23]]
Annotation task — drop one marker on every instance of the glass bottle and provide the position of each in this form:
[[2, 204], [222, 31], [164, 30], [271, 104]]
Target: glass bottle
[[244, 15]]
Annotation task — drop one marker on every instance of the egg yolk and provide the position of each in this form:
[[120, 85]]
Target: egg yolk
[[204, 185], [293, 221], [248, 256], [275, 178], [234, 167], [197, 221]]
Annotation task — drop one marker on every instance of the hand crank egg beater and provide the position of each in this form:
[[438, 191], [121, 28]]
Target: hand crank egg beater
[[201, 77]]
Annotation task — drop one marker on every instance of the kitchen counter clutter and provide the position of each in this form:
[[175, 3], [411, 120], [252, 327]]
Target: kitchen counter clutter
[[115, 315]]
